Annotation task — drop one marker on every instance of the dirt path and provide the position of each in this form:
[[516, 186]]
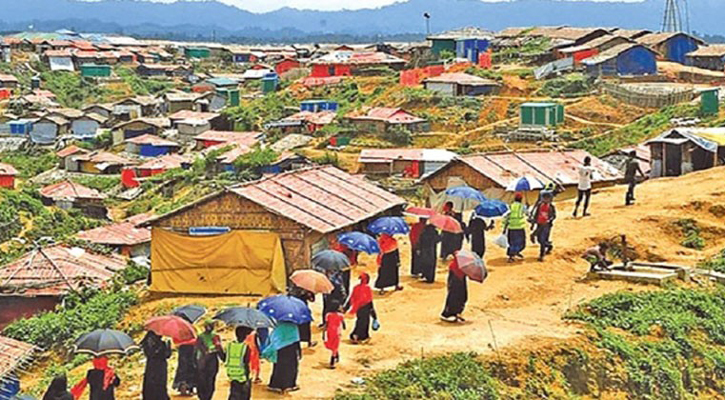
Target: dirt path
[[519, 303], [587, 122]]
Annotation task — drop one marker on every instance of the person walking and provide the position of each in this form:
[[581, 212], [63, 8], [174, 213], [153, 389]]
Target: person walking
[[457, 293], [476, 233], [157, 352], [360, 303], [102, 379], [305, 329], [236, 361], [515, 228], [427, 249], [337, 296], [388, 264], [285, 353], [208, 352], [584, 189], [415, 231], [544, 216], [254, 347], [630, 176], [58, 389], [185, 377], [334, 325]]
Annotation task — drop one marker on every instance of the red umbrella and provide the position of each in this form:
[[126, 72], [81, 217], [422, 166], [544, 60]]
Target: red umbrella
[[446, 223], [472, 265], [312, 280], [177, 328], [420, 212]]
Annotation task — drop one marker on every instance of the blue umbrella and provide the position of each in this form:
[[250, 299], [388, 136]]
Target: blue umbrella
[[465, 192], [330, 260], [524, 184], [359, 241], [389, 225], [491, 208], [285, 308]]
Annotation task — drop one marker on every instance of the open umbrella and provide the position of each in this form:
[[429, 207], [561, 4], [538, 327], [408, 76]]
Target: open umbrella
[[389, 225], [173, 326], [244, 316], [23, 397], [359, 241], [524, 184], [446, 223], [472, 265], [312, 280], [191, 313], [491, 208], [286, 308], [102, 342], [464, 197], [330, 260], [420, 212]]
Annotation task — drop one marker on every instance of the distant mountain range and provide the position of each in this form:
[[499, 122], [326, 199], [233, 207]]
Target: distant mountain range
[[211, 19]]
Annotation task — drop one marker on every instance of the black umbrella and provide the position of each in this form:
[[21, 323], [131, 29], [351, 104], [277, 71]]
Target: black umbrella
[[102, 342], [330, 260], [244, 316], [191, 313]]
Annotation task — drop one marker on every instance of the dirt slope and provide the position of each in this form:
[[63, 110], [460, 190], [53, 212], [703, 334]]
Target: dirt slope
[[520, 304]]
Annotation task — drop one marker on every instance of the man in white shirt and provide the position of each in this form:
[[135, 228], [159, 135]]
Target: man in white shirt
[[585, 186]]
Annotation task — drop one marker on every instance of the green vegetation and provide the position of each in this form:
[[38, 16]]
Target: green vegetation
[[691, 234], [458, 376], [80, 313], [248, 165], [638, 131], [72, 90], [485, 73], [715, 263], [141, 86], [530, 48], [571, 85], [670, 342], [99, 182], [398, 136], [59, 224], [446, 55], [256, 113], [30, 163]]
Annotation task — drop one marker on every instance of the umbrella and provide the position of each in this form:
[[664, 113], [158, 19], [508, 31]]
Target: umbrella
[[389, 225], [172, 326], [286, 308], [524, 184], [491, 208], [23, 397], [191, 313], [446, 224], [102, 342], [465, 196], [330, 260], [359, 241], [313, 281], [244, 316], [472, 265], [420, 212]]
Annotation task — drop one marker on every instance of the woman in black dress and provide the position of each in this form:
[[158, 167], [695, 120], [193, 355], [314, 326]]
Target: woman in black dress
[[476, 232], [157, 352], [361, 304], [305, 329], [457, 294], [388, 264], [102, 379], [285, 352], [427, 249], [58, 389]]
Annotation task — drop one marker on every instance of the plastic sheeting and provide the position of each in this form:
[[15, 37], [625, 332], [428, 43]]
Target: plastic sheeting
[[238, 262], [637, 61]]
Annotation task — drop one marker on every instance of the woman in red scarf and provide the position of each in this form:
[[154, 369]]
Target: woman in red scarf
[[102, 380], [457, 293], [388, 264], [360, 303]]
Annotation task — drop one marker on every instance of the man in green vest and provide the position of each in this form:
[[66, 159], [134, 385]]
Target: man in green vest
[[237, 365], [515, 226]]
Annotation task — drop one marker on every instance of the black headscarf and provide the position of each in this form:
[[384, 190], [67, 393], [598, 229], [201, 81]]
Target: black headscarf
[[58, 389]]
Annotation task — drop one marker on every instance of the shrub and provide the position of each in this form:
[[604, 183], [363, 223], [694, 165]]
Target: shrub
[[30, 163], [691, 233], [397, 135]]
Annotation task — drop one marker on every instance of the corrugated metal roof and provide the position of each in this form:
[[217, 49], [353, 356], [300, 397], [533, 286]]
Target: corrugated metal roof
[[151, 140], [651, 39], [713, 50], [389, 115], [56, 270], [324, 199], [104, 157], [8, 78], [188, 114], [355, 57], [123, 233], [246, 138], [70, 190], [13, 354], [378, 155], [461, 79], [168, 161], [613, 53]]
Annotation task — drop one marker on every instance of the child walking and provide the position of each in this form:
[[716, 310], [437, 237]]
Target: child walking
[[334, 325]]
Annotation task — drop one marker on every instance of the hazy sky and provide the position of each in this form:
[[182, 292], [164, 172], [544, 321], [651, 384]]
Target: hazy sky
[[270, 5]]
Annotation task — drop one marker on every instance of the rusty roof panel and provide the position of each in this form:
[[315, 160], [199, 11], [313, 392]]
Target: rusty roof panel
[[13, 353]]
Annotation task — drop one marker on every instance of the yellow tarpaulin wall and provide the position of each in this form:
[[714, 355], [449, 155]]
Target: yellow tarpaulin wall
[[238, 262]]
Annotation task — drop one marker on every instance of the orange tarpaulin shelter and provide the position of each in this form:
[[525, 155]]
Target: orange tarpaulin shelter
[[237, 262]]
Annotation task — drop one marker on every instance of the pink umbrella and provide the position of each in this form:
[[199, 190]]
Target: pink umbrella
[[471, 265], [312, 280], [420, 212], [446, 223], [175, 327]]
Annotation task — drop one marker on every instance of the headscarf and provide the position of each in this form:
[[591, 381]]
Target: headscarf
[[283, 335], [99, 363], [251, 342], [416, 230], [453, 267], [518, 196], [362, 295], [58, 389], [387, 244]]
